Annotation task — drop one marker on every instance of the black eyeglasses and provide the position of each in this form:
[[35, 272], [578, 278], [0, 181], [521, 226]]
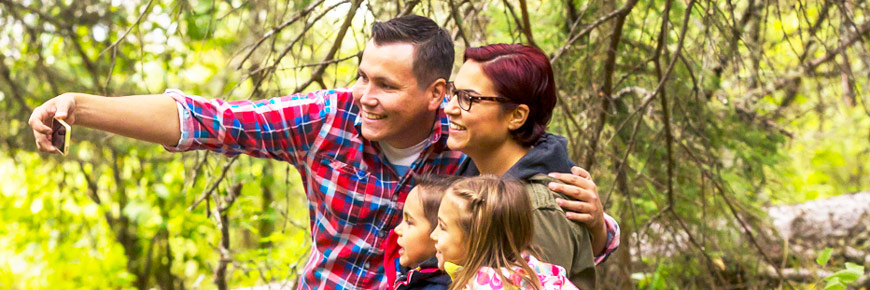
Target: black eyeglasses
[[465, 98]]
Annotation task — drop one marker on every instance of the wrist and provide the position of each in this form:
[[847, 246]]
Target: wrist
[[79, 108], [600, 229], [83, 108]]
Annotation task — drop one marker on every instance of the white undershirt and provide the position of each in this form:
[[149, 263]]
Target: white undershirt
[[401, 159]]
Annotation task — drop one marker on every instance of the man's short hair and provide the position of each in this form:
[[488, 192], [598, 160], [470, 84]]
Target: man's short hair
[[433, 48]]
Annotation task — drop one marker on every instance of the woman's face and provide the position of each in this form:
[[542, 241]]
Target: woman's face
[[449, 238], [485, 126]]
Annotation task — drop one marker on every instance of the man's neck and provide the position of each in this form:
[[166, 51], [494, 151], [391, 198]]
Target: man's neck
[[498, 160]]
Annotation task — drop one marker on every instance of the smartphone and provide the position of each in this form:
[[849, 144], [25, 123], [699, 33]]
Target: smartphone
[[60, 132]]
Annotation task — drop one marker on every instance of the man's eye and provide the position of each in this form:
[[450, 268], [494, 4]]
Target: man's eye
[[362, 77]]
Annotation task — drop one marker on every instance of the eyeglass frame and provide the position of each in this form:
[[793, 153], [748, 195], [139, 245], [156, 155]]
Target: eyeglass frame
[[452, 90]]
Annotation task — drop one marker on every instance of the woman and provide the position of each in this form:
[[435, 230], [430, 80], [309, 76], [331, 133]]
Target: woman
[[499, 107]]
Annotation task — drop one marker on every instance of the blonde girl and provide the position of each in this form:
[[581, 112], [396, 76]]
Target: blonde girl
[[483, 238]]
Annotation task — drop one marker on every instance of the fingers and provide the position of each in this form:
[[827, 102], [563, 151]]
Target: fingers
[[41, 131], [571, 191], [575, 180], [36, 121], [580, 211], [581, 218], [43, 142], [574, 206], [579, 171], [60, 108]]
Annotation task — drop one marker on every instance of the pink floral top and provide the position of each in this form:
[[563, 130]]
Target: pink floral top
[[552, 277]]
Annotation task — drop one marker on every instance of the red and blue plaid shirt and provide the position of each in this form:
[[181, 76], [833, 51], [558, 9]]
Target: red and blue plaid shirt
[[355, 197]]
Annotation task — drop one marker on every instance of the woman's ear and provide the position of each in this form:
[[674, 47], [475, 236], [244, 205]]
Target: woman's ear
[[436, 93], [518, 117]]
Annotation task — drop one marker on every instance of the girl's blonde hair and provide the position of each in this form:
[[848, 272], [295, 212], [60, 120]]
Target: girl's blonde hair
[[497, 227]]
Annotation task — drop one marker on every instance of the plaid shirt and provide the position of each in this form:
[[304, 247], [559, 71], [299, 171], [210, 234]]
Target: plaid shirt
[[612, 239], [355, 197]]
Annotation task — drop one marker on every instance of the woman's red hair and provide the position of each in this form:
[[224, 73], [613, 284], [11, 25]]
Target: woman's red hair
[[522, 74]]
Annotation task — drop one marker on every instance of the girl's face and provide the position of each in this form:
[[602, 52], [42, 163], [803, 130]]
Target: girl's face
[[485, 125], [449, 237], [413, 232]]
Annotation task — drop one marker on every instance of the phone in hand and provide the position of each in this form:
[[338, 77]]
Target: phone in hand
[[60, 132]]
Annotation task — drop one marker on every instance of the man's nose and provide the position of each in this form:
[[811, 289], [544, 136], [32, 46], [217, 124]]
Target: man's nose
[[368, 97]]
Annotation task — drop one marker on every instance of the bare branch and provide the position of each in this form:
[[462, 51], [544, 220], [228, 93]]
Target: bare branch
[[222, 215], [624, 10], [318, 72], [124, 35], [274, 31], [605, 94], [207, 193]]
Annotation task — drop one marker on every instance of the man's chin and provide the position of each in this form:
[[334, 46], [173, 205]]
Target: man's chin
[[371, 135]]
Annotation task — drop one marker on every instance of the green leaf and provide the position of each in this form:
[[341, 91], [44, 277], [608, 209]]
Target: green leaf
[[824, 257], [847, 276], [855, 267], [835, 284]]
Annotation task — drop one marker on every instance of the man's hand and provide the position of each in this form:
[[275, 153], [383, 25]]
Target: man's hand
[[61, 107], [586, 207]]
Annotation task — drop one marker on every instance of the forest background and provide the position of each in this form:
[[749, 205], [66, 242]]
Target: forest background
[[693, 117]]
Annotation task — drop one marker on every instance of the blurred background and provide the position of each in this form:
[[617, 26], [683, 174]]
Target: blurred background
[[730, 139]]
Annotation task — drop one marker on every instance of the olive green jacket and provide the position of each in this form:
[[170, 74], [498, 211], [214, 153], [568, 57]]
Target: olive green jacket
[[558, 240]]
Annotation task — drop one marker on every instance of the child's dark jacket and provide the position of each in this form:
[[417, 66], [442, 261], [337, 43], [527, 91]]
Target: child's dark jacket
[[426, 276]]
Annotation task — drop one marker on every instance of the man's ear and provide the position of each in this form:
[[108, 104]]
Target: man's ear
[[436, 93], [518, 116]]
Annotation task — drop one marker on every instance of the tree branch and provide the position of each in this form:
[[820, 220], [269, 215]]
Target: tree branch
[[318, 72], [527, 26], [605, 94], [207, 193], [625, 9], [274, 31]]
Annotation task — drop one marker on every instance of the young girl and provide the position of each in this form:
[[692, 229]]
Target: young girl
[[484, 234], [418, 268]]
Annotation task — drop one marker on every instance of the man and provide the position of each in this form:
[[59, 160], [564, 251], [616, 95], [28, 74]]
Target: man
[[356, 149]]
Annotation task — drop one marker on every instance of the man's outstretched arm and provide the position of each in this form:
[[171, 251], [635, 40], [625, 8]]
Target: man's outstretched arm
[[152, 118]]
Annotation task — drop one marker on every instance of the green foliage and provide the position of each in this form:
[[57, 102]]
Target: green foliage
[[824, 257], [115, 214], [842, 278]]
